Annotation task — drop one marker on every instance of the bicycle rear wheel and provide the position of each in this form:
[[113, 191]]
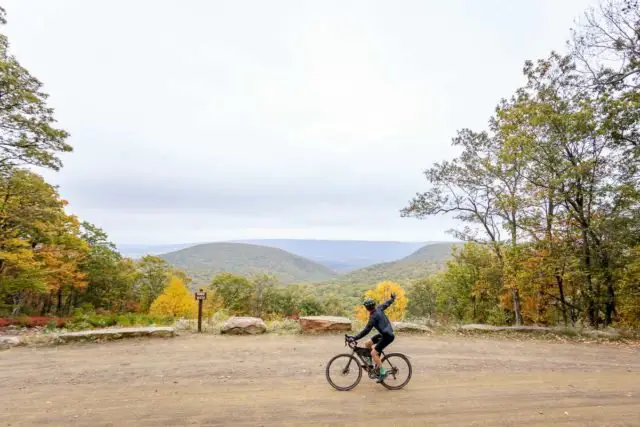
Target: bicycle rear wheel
[[343, 372], [400, 371]]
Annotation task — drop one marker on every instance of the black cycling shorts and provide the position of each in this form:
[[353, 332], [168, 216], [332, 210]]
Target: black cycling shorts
[[381, 341]]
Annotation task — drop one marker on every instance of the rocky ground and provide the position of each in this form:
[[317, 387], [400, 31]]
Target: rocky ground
[[279, 380]]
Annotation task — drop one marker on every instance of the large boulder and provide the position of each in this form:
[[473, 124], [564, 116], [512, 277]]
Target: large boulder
[[9, 341], [243, 326], [325, 324], [410, 327]]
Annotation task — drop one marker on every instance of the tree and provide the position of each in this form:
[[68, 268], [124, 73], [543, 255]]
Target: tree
[[235, 292], [629, 292], [380, 294], [311, 306], [422, 299], [483, 186], [283, 300], [40, 242], [262, 285], [27, 132], [62, 260], [471, 286], [110, 277], [152, 279], [334, 305], [20, 274], [175, 301]]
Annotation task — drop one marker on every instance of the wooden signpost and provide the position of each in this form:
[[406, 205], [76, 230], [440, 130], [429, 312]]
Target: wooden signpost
[[201, 295]]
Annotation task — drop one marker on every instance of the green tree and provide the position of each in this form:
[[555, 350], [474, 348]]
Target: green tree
[[470, 288], [235, 292], [28, 132], [311, 306], [334, 305], [110, 277], [262, 284], [422, 299], [152, 279]]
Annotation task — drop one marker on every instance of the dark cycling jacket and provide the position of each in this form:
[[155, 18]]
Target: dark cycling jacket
[[378, 320]]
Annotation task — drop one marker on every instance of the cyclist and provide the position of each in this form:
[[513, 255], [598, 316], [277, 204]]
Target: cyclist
[[385, 336]]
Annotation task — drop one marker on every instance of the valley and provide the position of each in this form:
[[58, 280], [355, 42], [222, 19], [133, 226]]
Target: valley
[[311, 262]]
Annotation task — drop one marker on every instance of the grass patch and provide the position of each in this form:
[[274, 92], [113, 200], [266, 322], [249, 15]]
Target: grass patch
[[283, 327]]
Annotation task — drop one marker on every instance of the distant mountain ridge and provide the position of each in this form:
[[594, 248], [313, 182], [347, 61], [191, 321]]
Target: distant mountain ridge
[[203, 262], [338, 255], [342, 255], [418, 265]]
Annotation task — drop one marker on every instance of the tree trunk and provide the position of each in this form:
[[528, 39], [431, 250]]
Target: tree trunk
[[46, 308], [69, 302], [59, 305], [516, 306], [515, 293], [563, 302], [590, 307], [18, 299]]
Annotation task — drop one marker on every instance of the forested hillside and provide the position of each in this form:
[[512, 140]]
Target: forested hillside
[[418, 265], [202, 262]]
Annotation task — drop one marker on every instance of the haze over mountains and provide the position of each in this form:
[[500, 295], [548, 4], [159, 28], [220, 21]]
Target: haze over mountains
[[418, 265], [306, 261], [338, 255], [342, 255]]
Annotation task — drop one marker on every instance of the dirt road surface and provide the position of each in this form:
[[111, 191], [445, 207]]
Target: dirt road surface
[[279, 380]]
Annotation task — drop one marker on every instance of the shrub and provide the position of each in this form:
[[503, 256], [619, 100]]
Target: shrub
[[37, 321], [285, 326], [101, 320]]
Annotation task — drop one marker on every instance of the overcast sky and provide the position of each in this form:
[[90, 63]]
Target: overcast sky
[[200, 120]]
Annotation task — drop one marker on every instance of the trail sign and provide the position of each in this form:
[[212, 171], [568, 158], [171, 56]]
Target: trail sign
[[200, 296]]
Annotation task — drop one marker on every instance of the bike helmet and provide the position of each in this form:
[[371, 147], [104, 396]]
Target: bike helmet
[[369, 303]]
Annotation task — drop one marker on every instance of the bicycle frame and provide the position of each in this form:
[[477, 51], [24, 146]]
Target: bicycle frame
[[360, 353]]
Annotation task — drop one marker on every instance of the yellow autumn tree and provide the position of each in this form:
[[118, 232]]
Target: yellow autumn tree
[[380, 294], [176, 301]]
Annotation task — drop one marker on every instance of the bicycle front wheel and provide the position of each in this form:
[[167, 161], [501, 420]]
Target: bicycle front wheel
[[399, 369], [343, 372]]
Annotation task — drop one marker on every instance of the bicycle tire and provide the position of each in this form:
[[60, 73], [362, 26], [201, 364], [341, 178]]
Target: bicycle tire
[[354, 361], [406, 359]]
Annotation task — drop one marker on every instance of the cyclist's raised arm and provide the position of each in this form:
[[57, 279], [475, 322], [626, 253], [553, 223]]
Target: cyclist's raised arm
[[366, 329], [388, 302]]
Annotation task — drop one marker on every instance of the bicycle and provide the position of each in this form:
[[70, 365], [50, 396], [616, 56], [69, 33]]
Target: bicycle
[[364, 362]]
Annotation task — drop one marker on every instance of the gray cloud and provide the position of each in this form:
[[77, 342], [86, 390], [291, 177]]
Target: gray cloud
[[199, 120]]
